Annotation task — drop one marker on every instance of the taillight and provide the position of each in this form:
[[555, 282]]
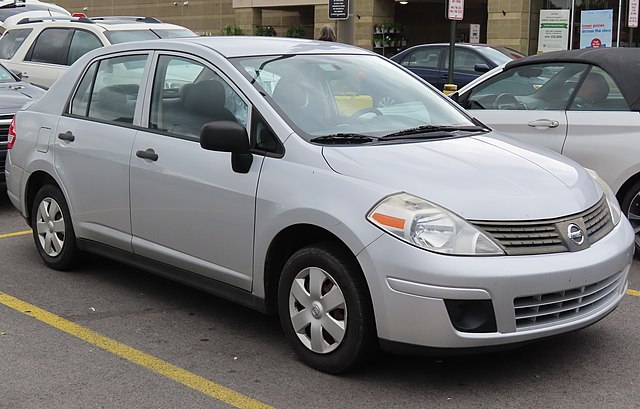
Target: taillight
[[12, 133]]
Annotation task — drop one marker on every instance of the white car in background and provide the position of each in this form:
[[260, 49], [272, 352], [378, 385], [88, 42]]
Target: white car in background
[[584, 104], [41, 48]]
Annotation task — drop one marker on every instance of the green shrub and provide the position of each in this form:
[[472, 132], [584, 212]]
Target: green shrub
[[295, 32], [267, 31], [231, 30]]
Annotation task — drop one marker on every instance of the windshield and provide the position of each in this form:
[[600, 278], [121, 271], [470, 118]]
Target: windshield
[[5, 75], [348, 95], [125, 36]]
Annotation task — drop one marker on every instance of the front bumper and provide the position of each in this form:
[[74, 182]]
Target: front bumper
[[409, 287]]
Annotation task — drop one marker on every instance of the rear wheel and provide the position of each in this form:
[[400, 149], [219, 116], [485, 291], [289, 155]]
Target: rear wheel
[[325, 309], [52, 228], [631, 207]]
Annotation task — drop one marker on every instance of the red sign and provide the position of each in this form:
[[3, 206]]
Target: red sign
[[455, 9], [596, 43]]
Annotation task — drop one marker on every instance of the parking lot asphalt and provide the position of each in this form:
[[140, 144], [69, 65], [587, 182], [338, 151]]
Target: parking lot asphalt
[[109, 336]]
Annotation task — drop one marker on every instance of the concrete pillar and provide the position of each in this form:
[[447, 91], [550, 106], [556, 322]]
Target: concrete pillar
[[248, 19], [508, 23]]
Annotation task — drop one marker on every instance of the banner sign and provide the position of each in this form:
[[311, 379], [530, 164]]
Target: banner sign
[[553, 33], [596, 27]]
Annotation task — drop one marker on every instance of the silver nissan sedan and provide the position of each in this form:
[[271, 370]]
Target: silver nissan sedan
[[265, 171]]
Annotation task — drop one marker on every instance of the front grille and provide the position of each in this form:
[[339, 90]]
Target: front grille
[[550, 308], [549, 236]]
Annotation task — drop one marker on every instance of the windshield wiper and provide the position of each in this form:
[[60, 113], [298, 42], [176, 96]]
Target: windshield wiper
[[345, 138], [427, 129]]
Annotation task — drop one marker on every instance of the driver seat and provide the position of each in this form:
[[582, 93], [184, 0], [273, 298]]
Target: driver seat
[[302, 103]]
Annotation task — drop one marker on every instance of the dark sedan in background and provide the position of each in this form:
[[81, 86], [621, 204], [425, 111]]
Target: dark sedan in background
[[14, 93], [431, 61]]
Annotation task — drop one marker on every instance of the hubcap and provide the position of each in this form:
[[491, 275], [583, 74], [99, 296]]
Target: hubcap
[[317, 310], [633, 213], [50, 227]]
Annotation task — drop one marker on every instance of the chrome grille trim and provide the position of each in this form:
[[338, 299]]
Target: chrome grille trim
[[546, 236], [5, 122], [545, 309]]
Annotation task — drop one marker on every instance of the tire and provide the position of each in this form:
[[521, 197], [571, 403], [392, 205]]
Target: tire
[[631, 208], [325, 309], [52, 229]]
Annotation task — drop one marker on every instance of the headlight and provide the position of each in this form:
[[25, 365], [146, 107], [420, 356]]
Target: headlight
[[429, 226], [614, 206]]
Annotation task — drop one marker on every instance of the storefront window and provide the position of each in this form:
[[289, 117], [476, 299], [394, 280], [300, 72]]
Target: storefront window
[[607, 20]]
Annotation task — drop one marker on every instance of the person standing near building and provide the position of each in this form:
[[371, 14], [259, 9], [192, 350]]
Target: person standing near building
[[327, 33]]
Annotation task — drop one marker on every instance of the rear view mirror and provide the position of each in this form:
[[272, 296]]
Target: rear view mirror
[[228, 136], [481, 68]]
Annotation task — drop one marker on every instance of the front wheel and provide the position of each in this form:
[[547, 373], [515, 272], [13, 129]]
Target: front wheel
[[325, 309], [52, 228]]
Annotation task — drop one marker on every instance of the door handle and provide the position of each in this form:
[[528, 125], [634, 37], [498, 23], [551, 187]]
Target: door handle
[[544, 123], [66, 136], [148, 154], [25, 75]]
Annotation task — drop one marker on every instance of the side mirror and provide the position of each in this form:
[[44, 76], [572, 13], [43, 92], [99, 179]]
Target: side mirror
[[228, 136], [17, 73], [481, 68], [454, 96]]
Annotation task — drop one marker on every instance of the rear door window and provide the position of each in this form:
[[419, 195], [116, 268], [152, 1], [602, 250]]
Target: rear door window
[[109, 89], [51, 46]]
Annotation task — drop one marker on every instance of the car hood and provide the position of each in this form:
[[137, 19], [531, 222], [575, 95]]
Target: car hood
[[14, 95], [479, 178]]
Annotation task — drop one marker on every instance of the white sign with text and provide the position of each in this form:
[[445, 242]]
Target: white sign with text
[[553, 33]]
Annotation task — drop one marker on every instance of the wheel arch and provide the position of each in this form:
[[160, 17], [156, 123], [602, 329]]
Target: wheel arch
[[626, 186], [34, 184], [287, 242]]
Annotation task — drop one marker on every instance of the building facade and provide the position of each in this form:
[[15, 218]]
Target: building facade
[[386, 26]]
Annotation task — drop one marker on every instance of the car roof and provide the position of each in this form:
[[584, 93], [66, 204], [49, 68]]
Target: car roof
[[245, 46], [104, 23], [623, 64]]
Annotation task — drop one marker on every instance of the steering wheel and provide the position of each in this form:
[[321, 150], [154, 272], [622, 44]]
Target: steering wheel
[[365, 111], [505, 99]]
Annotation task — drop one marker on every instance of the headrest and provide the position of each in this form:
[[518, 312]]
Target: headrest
[[112, 97], [204, 97]]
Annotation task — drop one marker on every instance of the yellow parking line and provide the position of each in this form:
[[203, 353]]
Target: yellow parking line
[[18, 233], [633, 292], [145, 360]]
